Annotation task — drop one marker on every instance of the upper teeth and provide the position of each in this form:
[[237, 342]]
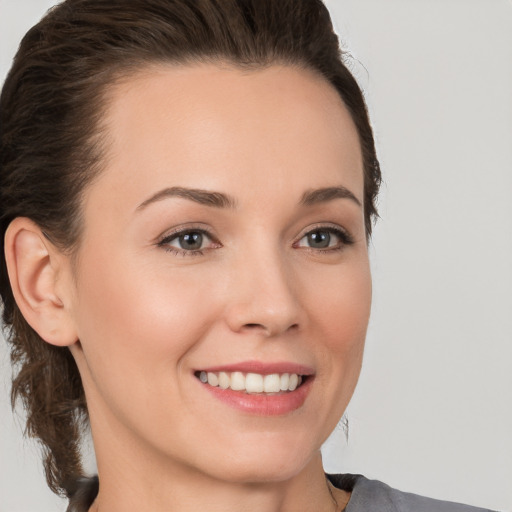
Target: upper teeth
[[252, 382]]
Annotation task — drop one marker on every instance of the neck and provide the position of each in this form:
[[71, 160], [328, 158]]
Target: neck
[[127, 488]]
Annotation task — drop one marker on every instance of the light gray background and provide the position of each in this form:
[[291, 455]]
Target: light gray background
[[433, 410]]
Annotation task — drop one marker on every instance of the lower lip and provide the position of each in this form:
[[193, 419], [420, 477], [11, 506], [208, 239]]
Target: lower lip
[[263, 404]]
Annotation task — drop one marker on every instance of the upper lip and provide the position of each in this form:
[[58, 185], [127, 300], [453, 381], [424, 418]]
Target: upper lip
[[262, 368]]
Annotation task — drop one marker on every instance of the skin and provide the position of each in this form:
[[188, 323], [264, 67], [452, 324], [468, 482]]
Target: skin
[[148, 315]]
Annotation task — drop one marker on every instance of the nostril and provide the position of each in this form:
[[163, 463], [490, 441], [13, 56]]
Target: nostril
[[251, 326], [254, 326]]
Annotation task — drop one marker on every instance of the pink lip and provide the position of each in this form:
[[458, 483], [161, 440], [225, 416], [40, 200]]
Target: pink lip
[[262, 368], [260, 403]]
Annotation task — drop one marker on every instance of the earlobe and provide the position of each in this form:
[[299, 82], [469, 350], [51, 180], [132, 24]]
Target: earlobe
[[37, 273]]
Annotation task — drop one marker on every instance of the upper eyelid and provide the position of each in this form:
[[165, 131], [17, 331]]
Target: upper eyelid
[[327, 226], [164, 242], [346, 238], [171, 234], [176, 232]]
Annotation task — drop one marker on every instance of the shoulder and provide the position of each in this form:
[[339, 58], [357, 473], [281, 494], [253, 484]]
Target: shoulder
[[374, 496]]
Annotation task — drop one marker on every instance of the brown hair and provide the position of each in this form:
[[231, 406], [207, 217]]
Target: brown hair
[[50, 145]]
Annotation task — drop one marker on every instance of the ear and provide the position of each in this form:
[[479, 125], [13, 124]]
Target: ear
[[40, 277]]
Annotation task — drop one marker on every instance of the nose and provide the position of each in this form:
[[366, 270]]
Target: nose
[[263, 296]]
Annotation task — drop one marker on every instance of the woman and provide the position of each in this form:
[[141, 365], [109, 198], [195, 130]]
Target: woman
[[187, 194]]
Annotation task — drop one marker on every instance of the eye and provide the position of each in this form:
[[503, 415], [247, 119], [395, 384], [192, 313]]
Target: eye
[[319, 239], [191, 241], [325, 238], [188, 242]]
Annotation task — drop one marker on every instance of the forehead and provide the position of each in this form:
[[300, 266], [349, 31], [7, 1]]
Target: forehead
[[221, 127]]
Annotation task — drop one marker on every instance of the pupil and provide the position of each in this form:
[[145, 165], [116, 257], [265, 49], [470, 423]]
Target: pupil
[[191, 241], [319, 239]]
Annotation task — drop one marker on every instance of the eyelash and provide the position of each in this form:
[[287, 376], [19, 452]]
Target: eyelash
[[344, 237], [164, 243]]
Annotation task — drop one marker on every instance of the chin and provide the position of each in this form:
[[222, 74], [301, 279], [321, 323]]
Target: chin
[[253, 473], [271, 461]]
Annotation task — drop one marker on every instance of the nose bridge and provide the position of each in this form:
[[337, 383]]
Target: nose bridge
[[263, 291]]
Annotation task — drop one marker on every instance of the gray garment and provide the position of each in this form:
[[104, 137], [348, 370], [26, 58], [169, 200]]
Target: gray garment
[[374, 496]]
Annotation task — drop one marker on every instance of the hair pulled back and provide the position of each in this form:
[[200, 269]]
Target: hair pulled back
[[51, 145]]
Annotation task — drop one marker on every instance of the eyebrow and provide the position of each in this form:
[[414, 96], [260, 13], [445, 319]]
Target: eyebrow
[[220, 200], [205, 197], [322, 195]]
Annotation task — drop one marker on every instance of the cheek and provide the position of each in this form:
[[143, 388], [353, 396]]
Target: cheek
[[136, 326], [341, 313], [341, 305]]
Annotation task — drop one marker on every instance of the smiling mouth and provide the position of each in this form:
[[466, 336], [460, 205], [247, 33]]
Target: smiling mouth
[[253, 383]]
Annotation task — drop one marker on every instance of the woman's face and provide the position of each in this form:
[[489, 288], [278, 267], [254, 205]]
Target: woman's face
[[225, 241]]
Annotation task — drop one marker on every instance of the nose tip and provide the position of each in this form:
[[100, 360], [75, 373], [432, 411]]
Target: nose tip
[[250, 317], [265, 303], [270, 325]]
